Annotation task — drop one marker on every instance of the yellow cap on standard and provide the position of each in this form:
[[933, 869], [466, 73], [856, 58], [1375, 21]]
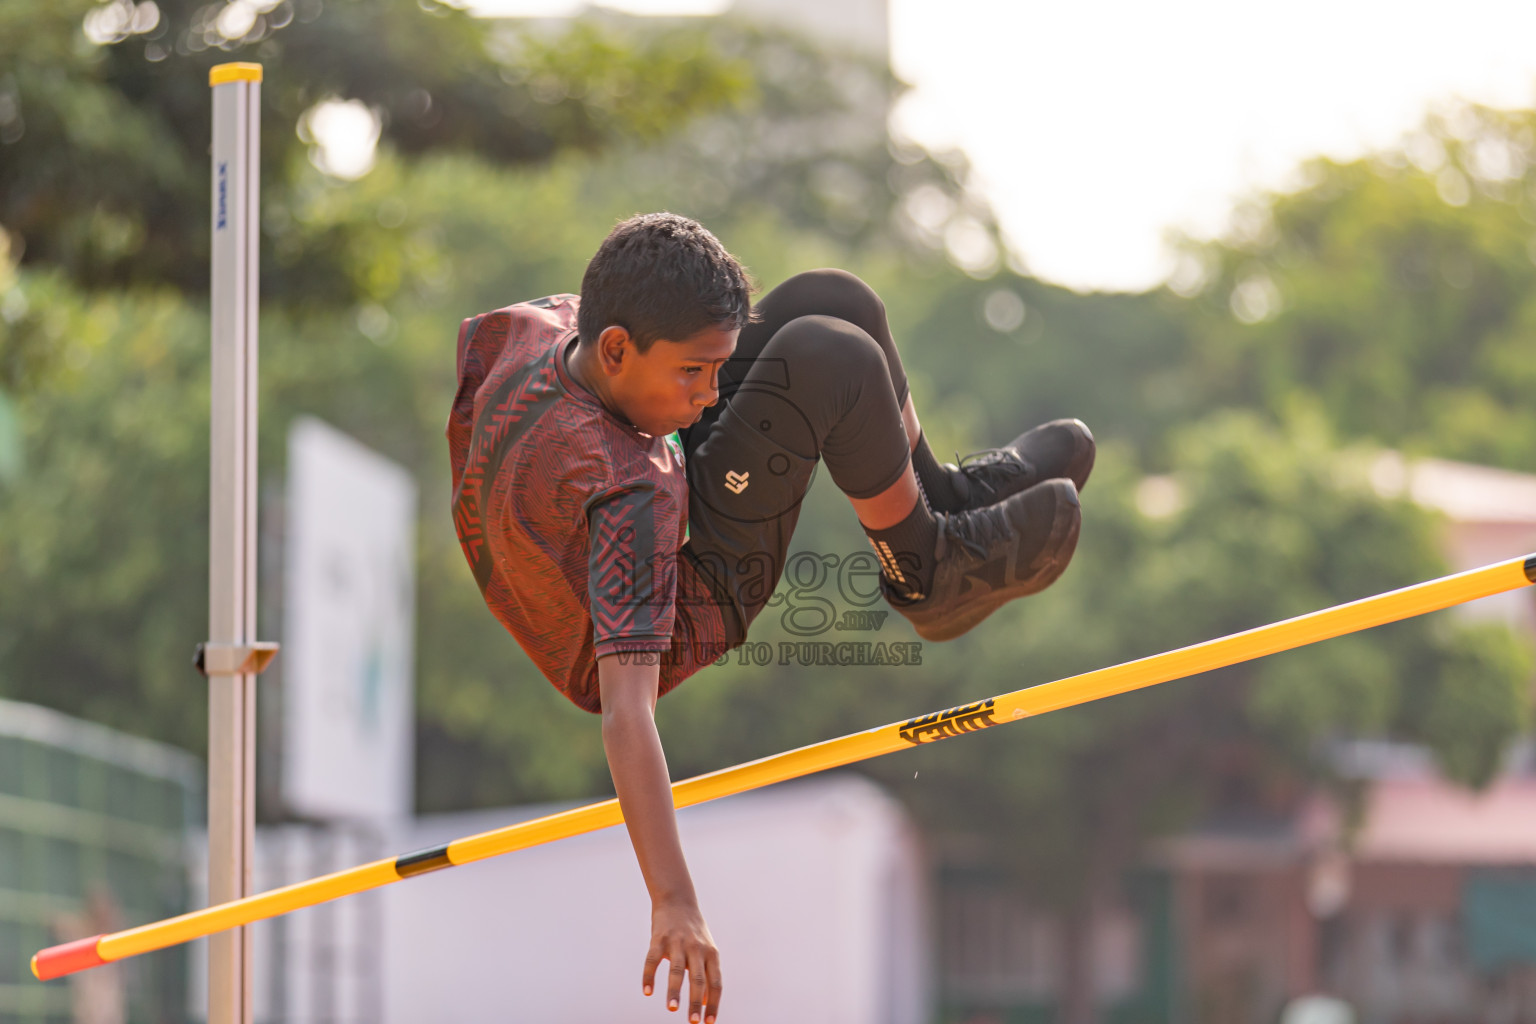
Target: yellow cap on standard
[[237, 72]]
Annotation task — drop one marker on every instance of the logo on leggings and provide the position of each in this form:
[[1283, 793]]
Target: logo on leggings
[[780, 479]]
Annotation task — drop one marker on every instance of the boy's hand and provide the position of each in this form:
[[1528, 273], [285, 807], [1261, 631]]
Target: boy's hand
[[679, 935]]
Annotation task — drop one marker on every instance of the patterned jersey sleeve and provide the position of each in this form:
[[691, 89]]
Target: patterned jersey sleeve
[[632, 569]]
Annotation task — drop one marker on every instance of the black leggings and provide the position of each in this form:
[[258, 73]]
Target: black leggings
[[822, 347], [817, 378]]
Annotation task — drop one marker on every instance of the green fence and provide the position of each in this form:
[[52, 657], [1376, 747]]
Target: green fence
[[93, 838]]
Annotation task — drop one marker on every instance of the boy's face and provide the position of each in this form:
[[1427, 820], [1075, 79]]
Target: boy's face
[[669, 386]]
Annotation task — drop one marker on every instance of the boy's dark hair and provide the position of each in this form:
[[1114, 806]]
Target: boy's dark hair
[[661, 276]]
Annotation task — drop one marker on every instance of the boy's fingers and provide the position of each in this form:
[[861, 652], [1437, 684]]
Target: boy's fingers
[[704, 985], [675, 976], [716, 986], [697, 980], [652, 961]]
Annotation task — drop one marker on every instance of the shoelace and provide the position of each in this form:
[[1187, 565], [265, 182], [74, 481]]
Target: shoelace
[[975, 531], [1003, 459]]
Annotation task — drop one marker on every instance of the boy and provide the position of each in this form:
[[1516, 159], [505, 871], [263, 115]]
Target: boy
[[624, 561]]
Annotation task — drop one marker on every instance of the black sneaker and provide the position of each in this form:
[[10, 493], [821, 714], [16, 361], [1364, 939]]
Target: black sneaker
[[1060, 448], [988, 556]]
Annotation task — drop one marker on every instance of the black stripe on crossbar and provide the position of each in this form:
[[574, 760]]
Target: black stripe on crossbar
[[1530, 568], [422, 861]]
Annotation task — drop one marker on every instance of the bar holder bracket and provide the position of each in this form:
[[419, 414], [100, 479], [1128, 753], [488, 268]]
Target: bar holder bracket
[[234, 659]]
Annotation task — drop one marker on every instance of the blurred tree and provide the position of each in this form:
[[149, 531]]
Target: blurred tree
[[18, 366], [103, 555], [105, 125], [1398, 289], [811, 147], [1118, 362]]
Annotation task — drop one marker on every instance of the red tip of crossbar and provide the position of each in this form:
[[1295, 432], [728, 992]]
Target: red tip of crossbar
[[57, 961]]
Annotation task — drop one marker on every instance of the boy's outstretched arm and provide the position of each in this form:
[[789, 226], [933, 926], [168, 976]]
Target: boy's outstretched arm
[[628, 686]]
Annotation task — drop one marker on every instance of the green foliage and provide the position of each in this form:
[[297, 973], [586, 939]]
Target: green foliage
[[10, 441], [1118, 362], [599, 85], [1396, 289], [805, 148], [105, 142], [103, 559], [1481, 697]]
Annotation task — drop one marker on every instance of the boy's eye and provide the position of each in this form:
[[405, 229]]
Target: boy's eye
[[693, 369]]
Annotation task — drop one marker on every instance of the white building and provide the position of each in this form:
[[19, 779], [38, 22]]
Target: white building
[[859, 25], [815, 892]]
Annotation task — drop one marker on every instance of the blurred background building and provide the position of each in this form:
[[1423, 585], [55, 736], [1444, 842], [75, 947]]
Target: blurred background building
[[859, 25]]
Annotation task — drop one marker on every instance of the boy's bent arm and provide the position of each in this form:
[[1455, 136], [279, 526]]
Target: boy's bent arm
[[628, 685]]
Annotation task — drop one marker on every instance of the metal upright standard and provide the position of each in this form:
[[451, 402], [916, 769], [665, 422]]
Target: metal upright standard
[[1037, 700], [231, 659]]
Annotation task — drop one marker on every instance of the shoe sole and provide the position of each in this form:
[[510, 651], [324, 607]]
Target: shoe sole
[[1048, 567]]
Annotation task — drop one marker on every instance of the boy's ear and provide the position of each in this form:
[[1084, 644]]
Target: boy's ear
[[613, 346]]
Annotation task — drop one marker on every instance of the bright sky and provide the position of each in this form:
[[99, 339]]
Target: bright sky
[[1095, 126]]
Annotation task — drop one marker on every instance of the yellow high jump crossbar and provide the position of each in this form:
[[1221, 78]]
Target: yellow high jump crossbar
[[1311, 628]]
